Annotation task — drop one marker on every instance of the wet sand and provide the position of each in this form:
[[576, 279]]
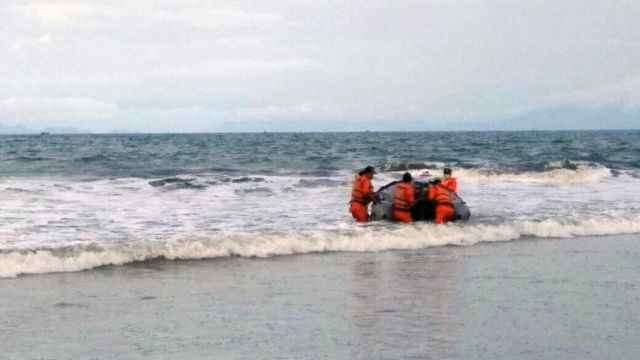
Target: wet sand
[[533, 299]]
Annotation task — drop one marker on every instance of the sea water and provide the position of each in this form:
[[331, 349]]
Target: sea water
[[76, 202]]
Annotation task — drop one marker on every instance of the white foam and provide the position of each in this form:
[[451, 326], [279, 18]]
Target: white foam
[[582, 174], [569, 228], [348, 237], [555, 174]]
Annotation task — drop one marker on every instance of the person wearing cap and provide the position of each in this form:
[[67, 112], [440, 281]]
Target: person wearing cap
[[362, 194], [403, 199], [450, 183]]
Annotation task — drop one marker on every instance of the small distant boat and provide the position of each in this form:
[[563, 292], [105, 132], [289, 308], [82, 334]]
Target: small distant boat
[[45, 133]]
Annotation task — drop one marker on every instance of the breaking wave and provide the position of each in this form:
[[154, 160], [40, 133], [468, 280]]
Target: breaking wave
[[343, 238], [583, 173], [560, 172]]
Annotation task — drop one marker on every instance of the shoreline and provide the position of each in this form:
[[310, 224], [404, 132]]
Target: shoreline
[[548, 298]]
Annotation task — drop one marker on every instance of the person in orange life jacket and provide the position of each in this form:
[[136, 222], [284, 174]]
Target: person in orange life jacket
[[444, 205], [362, 194], [403, 199], [449, 182]]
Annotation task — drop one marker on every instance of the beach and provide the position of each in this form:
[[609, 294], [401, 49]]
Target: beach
[[241, 246], [319, 180], [531, 298]]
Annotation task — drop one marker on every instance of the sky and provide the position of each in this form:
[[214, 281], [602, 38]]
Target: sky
[[245, 65]]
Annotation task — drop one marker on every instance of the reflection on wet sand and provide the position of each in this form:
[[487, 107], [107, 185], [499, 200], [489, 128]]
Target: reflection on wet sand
[[404, 300]]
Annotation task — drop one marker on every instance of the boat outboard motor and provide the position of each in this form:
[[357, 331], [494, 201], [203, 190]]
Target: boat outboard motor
[[423, 210]]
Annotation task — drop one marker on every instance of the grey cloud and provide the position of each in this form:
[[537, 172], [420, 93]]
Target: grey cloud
[[178, 65]]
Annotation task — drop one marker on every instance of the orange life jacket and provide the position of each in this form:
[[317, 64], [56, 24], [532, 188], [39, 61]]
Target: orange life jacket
[[403, 196], [440, 195], [361, 189], [451, 184]]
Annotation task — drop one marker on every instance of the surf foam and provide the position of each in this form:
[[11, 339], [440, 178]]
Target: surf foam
[[347, 237], [578, 173], [582, 174]]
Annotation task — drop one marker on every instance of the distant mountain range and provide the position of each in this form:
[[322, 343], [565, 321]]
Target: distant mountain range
[[15, 129], [19, 129], [550, 119], [567, 119], [546, 119], [612, 118]]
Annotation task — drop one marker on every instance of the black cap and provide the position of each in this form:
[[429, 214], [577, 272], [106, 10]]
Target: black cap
[[447, 171], [406, 177], [369, 169]]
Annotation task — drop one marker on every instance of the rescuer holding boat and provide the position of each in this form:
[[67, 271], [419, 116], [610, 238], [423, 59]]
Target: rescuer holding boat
[[403, 200], [362, 194], [449, 181], [441, 196]]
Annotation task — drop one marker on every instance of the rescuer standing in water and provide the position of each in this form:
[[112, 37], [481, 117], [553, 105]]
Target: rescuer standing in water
[[444, 204], [362, 194], [403, 199], [449, 181]]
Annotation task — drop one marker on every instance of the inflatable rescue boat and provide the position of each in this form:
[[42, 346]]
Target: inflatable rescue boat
[[423, 210]]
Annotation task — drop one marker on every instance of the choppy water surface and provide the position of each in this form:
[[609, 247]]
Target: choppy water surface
[[72, 202]]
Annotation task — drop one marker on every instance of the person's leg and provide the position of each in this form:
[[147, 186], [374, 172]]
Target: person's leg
[[402, 216], [449, 214], [360, 212], [443, 214]]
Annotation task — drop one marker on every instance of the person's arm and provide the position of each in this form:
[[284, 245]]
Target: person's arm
[[431, 193], [454, 185], [367, 191]]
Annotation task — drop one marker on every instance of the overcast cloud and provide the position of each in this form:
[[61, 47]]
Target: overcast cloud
[[201, 65]]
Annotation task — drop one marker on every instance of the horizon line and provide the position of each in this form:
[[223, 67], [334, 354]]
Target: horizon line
[[83, 132]]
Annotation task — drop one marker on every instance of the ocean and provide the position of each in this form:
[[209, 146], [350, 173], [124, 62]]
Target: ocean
[[75, 202], [242, 246]]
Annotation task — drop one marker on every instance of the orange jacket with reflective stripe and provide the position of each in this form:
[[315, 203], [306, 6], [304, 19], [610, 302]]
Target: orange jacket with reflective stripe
[[451, 184], [440, 195], [362, 190], [404, 196]]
